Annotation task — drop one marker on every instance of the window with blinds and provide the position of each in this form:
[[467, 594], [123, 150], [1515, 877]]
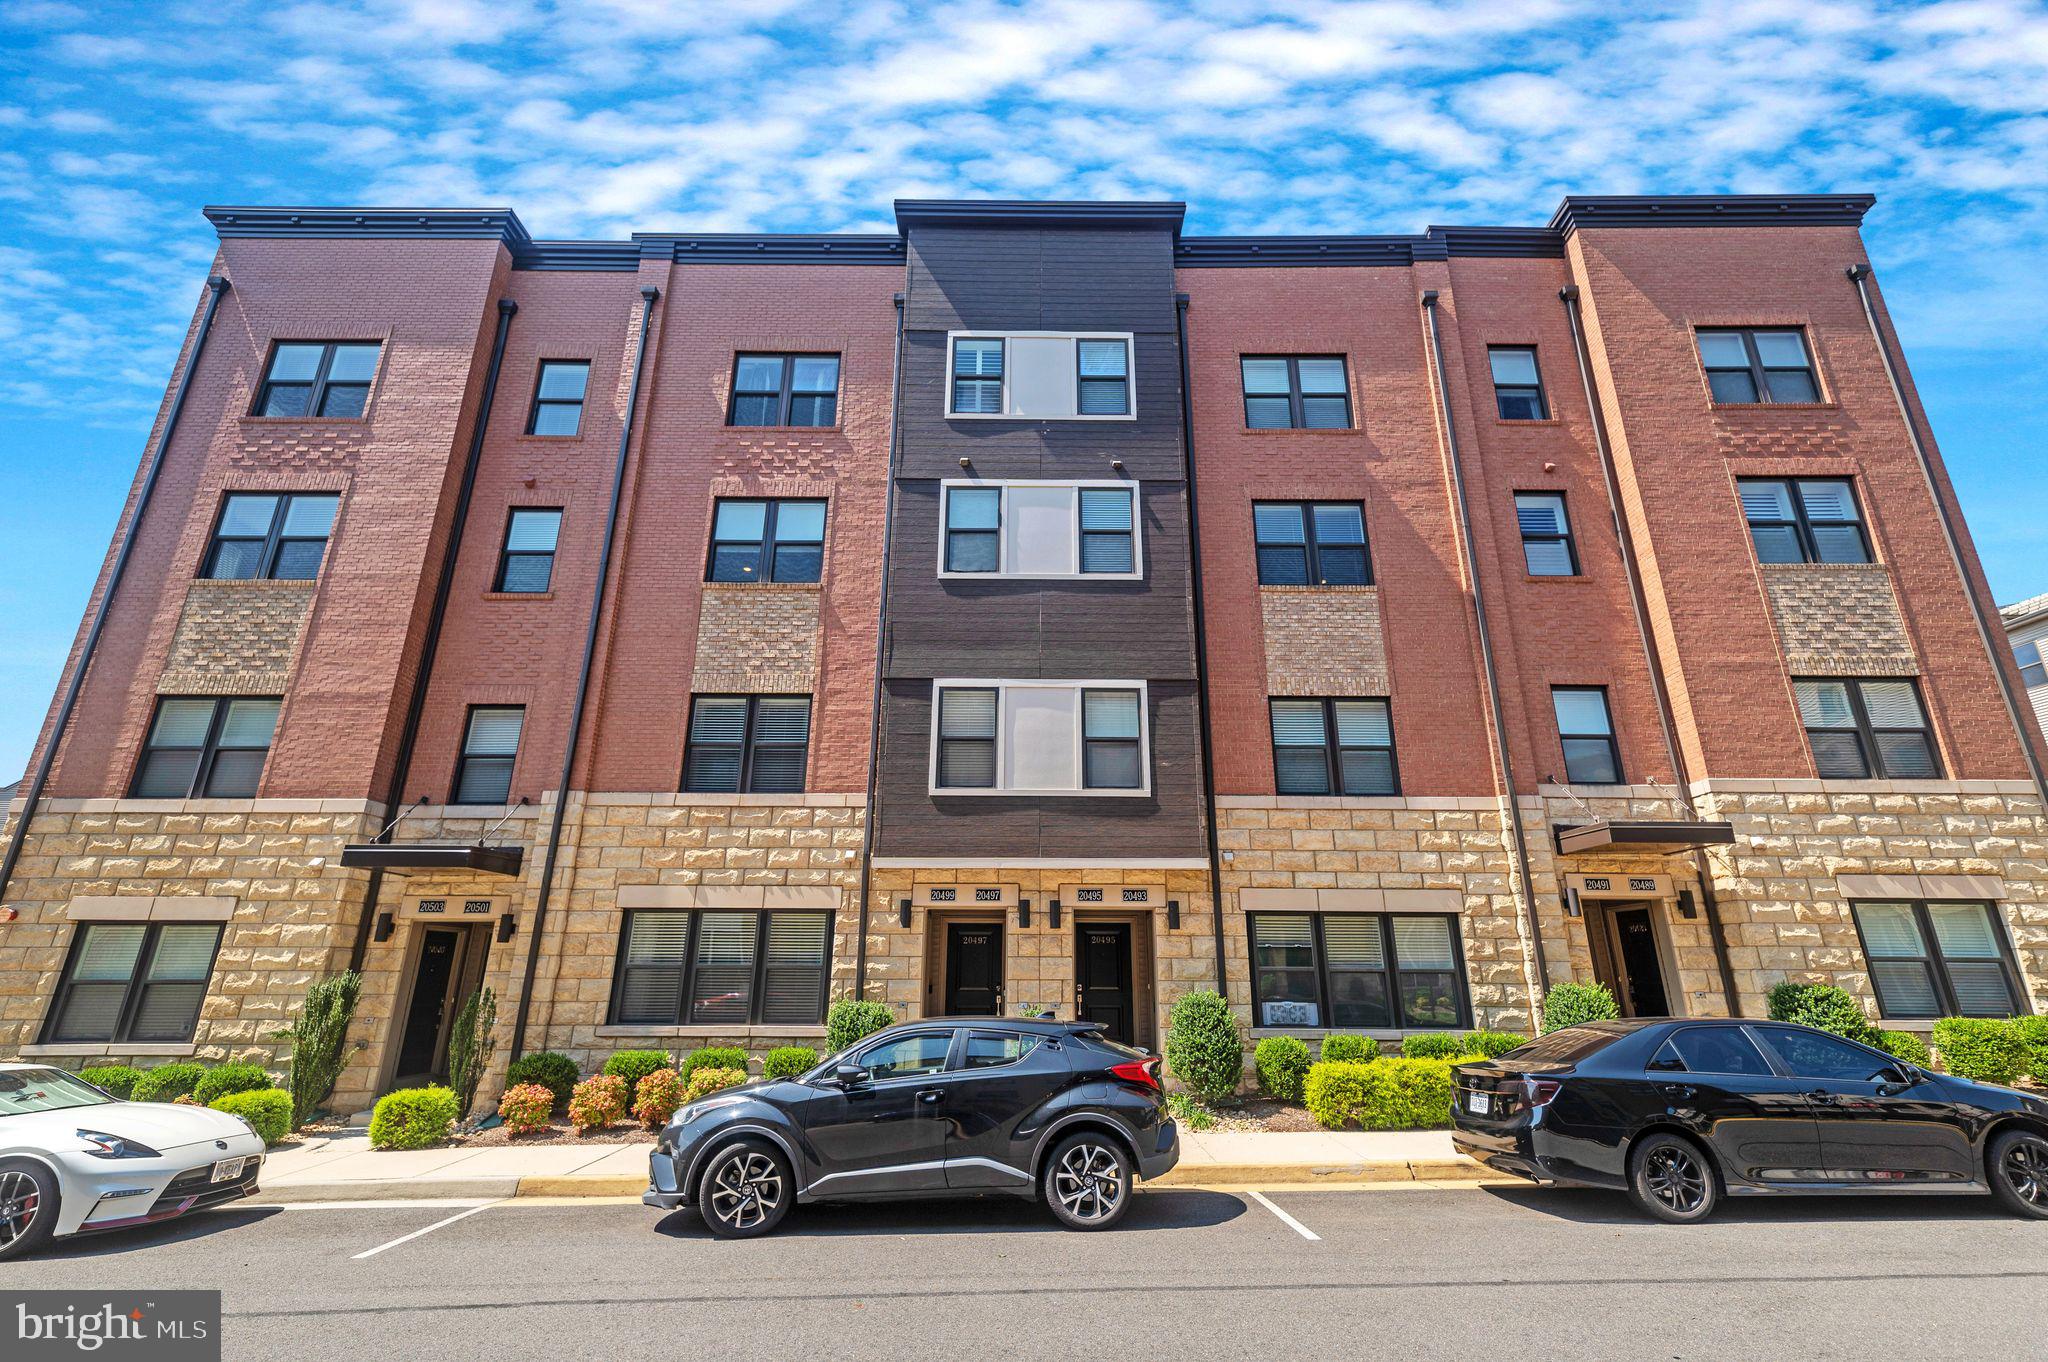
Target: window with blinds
[[1323, 747], [271, 535], [1295, 392], [1040, 376], [1934, 959], [1373, 971], [490, 745], [1547, 547], [720, 967], [199, 748], [1803, 520], [1040, 529], [527, 564], [133, 982], [1866, 729], [747, 744], [1311, 543]]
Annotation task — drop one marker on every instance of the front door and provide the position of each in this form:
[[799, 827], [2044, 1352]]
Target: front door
[[974, 969], [1642, 968], [1102, 977], [419, 1053]]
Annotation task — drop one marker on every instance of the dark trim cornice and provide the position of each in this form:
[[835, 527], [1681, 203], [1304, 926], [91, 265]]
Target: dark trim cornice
[[1439, 243], [1156, 215], [720, 248], [1710, 210]]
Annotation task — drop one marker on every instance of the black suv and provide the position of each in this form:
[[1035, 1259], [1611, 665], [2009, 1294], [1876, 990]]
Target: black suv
[[948, 1106]]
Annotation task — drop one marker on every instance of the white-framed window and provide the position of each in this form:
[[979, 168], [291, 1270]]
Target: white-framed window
[[1039, 529], [1031, 737], [1040, 376]]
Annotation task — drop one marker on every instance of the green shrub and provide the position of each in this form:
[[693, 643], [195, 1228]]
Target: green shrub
[[412, 1118], [789, 1061], [472, 1040], [1433, 1045], [656, 1098], [318, 1033], [168, 1082], [1349, 1050], [634, 1065], [547, 1069], [526, 1107], [1902, 1045], [1491, 1044], [597, 1102], [1191, 1114], [1821, 1006], [850, 1019], [1281, 1063], [1981, 1049], [1569, 1004], [2033, 1035], [117, 1079], [1386, 1094], [712, 1057], [267, 1109], [704, 1082], [1205, 1046], [230, 1078]]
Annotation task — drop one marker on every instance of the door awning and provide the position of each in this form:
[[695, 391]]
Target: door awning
[[1623, 834], [422, 856]]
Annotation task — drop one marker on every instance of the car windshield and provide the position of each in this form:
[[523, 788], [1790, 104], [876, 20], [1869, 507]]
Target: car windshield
[[24, 1091]]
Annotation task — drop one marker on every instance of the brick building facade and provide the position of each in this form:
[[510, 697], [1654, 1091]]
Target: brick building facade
[[1028, 609]]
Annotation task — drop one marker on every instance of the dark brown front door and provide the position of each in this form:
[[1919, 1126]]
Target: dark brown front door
[[974, 969], [1103, 976], [419, 1052], [1642, 969]]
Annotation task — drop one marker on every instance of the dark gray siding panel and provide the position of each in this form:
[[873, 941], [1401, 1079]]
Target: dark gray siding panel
[[1039, 280]]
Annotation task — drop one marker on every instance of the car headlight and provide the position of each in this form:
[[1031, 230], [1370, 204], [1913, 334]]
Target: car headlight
[[105, 1146]]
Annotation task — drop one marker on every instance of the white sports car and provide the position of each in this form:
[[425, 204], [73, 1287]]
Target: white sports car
[[74, 1158]]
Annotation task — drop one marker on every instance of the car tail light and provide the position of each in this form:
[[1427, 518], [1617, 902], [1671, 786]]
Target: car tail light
[[1143, 1073], [1537, 1092]]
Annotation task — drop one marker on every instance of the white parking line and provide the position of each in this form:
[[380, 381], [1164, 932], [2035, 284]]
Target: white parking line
[[1289, 1221], [438, 1224], [391, 1205]]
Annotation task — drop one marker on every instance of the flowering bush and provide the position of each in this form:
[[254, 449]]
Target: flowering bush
[[659, 1094], [597, 1102], [704, 1082], [526, 1107]]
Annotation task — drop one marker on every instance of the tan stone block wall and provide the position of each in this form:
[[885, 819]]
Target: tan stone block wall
[[757, 638], [1324, 640], [236, 638], [1836, 619]]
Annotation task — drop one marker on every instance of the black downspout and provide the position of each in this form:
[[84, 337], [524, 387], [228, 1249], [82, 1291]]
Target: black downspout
[[1500, 725], [648, 294], [1569, 296], [437, 615], [867, 822], [216, 285], [1187, 448]]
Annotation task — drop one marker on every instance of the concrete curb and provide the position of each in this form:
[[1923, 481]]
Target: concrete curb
[[1332, 1175], [400, 1189]]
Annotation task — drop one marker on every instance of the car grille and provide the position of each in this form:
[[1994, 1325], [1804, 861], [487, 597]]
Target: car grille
[[197, 1184]]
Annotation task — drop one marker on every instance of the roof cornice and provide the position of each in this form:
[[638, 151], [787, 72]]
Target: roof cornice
[[1154, 215], [1710, 210]]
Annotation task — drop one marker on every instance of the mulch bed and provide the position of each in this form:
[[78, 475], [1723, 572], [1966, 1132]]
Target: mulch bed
[[1260, 1113], [559, 1133]]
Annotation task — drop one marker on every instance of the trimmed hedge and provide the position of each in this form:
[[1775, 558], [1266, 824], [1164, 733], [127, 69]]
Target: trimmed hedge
[[1821, 1006], [1432, 1045], [1349, 1049], [1490, 1044], [544, 1068], [712, 1057], [789, 1061], [267, 1109], [230, 1078], [1281, 1063], [634, 1065], [1205, 1046], [707, 1081], [1385, 1094], [168, 1082], [1980, 1049], [2033, 1035], [412, 1118], [1901, 1045], [117, 1079], [1570, 1004], [851, 1019]]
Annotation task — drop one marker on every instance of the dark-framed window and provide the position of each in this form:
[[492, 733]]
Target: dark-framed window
[[1112, 740], [747, 744], [974, 529], [527, 564], [1863, 729], [1803, 520], [1104, 376], [2033, 672], [1311, 543], [1938, 959], [967, 737], [201, 747], [1304, 392], [558, 397], [757, 539], [784, 390], [133, 982], [329, 379], [1343, 747], [1585, 727], [1746, 366], [1381, 971], [1547, 546], [277, 535], [1517, 383], [977, 380], [490, 744], [715, 966]]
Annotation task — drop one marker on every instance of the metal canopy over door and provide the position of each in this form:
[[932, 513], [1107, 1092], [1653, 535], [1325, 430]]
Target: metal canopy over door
[[974, 969], [1102, 977]]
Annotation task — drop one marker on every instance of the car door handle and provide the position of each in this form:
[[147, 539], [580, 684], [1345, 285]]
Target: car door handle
[[1822, 1097], [930, 1095], [1679, 1091]]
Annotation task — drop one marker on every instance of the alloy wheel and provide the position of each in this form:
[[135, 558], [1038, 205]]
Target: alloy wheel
[[1089, 1182], [19, 1202], [746, 1189], [1674, 1177], [2025, 1169]]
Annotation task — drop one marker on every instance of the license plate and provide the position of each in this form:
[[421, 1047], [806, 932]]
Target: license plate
[[1479, 1103], [227, 1170]]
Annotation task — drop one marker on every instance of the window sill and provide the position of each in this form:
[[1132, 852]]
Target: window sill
[[1320, 1032], [699, 1032], [363, 420], [1299, 430], [1578, 577], [1774, 406], [765, 586], [788, 430], [258, 583], [1528, 421], [1292, 588], [527, 435], [98, 1049], [519, 595]]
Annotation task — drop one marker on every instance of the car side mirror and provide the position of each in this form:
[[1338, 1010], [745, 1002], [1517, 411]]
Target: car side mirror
[[850, 1075], [1898, 1078]]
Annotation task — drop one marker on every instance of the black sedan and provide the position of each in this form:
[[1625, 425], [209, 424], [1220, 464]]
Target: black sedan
[[1681, 1113], [961, 1106]]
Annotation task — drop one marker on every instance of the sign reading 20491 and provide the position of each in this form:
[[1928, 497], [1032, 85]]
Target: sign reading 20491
[[160, 1326]]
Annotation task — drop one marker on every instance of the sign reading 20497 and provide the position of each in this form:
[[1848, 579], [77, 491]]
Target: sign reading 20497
[[161, 1326]]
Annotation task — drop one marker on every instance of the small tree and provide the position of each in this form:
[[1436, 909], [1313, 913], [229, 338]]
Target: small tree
[[1822, 1006], [1205, 1046], [472, 1040], [317, 1035], [850, 1019]]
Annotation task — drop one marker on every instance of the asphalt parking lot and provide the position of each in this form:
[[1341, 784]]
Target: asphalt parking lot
[[1499, 1271]]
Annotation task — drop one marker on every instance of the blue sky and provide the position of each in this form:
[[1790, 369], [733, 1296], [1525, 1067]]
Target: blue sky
[[601, 117]]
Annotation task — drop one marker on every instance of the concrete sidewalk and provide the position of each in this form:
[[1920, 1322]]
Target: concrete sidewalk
[[342, 1167]]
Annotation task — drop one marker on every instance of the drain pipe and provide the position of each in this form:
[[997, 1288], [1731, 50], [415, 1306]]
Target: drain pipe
[[1527, 897], [1860, 275], [437, 614], [867, 822], [216, 285], [1187, 448], [648, 295], [1639, 603]]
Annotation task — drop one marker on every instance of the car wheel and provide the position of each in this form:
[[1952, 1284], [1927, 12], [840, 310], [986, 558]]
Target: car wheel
[[28, 1206], [1672, 1178], [2019, 1173], [1087, 1182], [746, 1189]]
